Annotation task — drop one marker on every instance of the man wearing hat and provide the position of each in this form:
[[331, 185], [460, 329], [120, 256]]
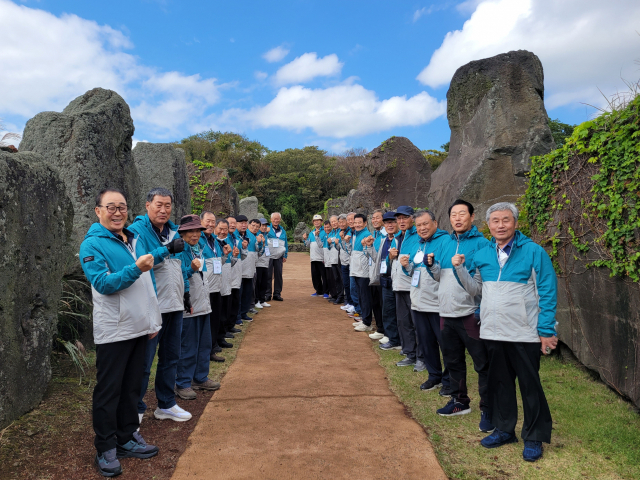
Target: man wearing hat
[[262, 267], [315, 241], [389, 318]]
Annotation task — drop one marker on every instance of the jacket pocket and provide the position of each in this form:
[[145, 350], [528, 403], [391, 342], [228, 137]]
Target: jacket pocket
[[106, 316]]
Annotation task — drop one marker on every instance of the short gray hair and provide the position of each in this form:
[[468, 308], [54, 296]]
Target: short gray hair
[[205, 212], [351, 213], [333, 216], [342, 216], [162, 192], [275, 213], [500, 206], [421, 213]]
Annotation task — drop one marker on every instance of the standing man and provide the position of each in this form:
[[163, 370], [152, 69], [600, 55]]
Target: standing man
[[315, 241], [125, 316], [345, 257], [262, 267], [519, 294], [159, 235], [379, 234], [360, 263], [389, 317], [357, 311], [236, 277], [327, 246], [334, 259], [424, 299], [249, 255], [229, 259], [460, 323], [279, 248]]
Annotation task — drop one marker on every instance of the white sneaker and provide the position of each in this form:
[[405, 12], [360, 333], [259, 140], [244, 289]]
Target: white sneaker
[[355, 324], [257, 305], [174, 413], [265, 304], [384, 340], [376, 336], [345, 307], [363, 328], [351, 309]]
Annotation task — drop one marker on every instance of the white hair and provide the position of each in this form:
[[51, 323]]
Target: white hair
[[501, 206], [276, 213]]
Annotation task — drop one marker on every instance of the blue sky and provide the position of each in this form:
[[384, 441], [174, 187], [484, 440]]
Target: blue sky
[[289, 74]]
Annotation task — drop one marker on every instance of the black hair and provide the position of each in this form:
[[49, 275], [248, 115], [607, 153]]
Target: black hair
[[159, 191], [362, 216], [462, 202], [327, 222], [221, 220], [107, 190], [254, 220]]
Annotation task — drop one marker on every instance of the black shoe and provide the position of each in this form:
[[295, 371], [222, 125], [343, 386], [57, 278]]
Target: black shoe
[[225, 344], [278, 298], [216, 358], [268, 299], [136, 448], [235, 330], [229, 335], [216, 348], [446, 391], [339, 302], [430, 385]]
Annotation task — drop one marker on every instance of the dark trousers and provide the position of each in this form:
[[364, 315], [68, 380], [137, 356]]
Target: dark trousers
[[364, 297], [508, 360], [168, 343], [354, 295], [246, 292], [376, 306], [275, 276], [331, 284], [216, 318], [458, 334], [430, 342], [196, 349], [318, 273], [119, 369], [389, 318], [262, 279], [406, 328], [233, 308], [346, 282], [336, 272]]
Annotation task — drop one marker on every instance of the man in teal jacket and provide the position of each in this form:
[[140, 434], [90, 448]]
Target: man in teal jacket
[[279, 250], [519, 293]]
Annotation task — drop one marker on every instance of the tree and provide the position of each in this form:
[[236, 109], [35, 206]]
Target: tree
[[435, 157], [560, 131]]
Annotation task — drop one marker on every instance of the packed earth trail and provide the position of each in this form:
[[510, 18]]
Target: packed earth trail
[[306, 398]]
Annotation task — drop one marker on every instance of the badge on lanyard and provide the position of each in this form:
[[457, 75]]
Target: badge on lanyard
[[370, 261], [279, 233], [276, 243], [267, 253], [383, 267], [415, 280], [217, 266]]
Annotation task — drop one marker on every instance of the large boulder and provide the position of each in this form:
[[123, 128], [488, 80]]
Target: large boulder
[[211, 190], [163, 165], [496, 113], [89, 144], [299, 231], [37, 221], [248, 206]]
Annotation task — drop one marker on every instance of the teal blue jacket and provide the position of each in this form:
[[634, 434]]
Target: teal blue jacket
[[283, 237]]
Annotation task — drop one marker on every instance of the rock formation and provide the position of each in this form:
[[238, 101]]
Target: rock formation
[[215, 192], [249, 206], [37, 220], [300, 230], [163, 165], [498, 121], [89, 144]]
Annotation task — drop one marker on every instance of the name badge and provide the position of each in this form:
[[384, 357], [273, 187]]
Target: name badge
[[370, 261], [276, 243], [267, 253], [418, 257], [217, 266], [416, 278], [383, 267]]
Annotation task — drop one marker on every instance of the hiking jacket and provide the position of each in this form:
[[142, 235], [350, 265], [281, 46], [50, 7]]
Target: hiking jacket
[[345, 248], [214, 261], [282, 248], [249, 254], [265, 253], [235, 279], [359, 266], [518, 298], [454, 300], [125, 304], [197, 286], [167, 269], [402, 283], [424, 295], [316, 244], [227, 272], [334, 251]]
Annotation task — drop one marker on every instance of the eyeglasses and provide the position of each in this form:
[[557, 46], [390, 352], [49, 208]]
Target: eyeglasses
[[112, 208]]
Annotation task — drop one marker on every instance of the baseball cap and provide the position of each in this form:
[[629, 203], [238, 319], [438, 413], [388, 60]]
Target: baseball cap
[[263, 221], [389, 216], [317, 217], [404, 210]]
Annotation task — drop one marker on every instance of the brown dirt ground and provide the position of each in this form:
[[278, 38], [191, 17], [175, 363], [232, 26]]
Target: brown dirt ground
[[306, 399]]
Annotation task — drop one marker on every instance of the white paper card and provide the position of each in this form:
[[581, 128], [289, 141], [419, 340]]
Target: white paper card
[[267, 252], [418, 257], [217, 266], [383, 267], [370, 261], [416, 278], [276, 243], [279, 233]]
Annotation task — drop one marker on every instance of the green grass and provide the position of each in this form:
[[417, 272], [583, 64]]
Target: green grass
[[596, 433]]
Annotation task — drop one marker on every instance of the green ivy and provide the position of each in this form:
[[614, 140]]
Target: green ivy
[[586, 195]]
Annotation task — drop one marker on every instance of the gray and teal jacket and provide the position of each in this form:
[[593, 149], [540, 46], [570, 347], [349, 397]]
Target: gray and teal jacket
[[519, 293], [167, 268], [334, 251], [279, 235], [235, 279], [402, 283], [197, 286], [316, 244], [359, 266], [264, 253], [249, 254], [345, 248], [454, 300], [424, 296], [213, 254], [125, 304], [227, 266]]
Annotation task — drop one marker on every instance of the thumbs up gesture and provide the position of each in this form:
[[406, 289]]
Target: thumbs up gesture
[[457, 260]]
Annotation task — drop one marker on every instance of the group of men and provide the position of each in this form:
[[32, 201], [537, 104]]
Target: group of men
[[183, 290], [434, 292]]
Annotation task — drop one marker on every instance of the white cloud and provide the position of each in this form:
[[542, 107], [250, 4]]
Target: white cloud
[[307, 67], [582, 44], [47, 61], [276, 54], [135, 141], [338, 112], [260, 75]]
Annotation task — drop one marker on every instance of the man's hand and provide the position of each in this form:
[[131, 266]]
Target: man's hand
[[404, 260], [226, 249], [175, 246], [153, 335], [145, 262], [347, 238], [284, 259], [187, 303], [260, 238], [457, 260], [367, 241], [342, 234], [393, 253], [430, 259], [195, 264], [236, 252], [548, 344], [245, 244], [304, 236]]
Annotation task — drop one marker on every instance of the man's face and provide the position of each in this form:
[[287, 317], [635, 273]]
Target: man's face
[[502, 225], [159, 210], [376, 220], [358, 224], [342, 223], [425, 226], [317, 223], [404, 222], [461, 220], [209, 222], [327, 228], [334, 222], [112, 221], [275, 219], [191, 236], [222, 230], [242, 226], [232, 224], [254, 227], [391, 226], [264, 229], [350, 220]]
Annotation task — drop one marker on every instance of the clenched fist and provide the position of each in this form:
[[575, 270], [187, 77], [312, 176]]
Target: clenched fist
[[245, 244], [430, 259], [226, 249], [195, 264], [304, 236], [457, 260], [236, 252], [145, 262], [404, 260], [393, 253]]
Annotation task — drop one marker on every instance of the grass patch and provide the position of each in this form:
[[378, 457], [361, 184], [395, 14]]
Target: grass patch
[[596, 433]]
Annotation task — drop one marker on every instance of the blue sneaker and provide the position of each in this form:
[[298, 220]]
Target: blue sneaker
[[136, 448], [389, 346], [314, 294], [498, 438], [485, 424], [453, 408], [108, 463], [247, 318], [238, 322], [532, 450], [325, 296]]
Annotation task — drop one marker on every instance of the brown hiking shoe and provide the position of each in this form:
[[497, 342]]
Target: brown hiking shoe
[[186, 393], [216, 358], [208, 385]]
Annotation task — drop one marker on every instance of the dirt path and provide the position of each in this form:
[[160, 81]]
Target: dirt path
[[306, 399]]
